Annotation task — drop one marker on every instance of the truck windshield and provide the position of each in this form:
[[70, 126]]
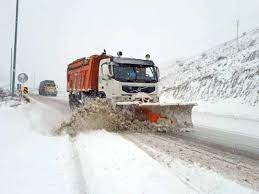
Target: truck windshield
[[134, 73]]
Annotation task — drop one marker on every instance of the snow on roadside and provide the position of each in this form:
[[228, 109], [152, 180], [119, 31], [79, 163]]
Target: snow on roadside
[[49, 118], [228, 124], [113, 165], [229, 107], [30, 162], [228, 115]]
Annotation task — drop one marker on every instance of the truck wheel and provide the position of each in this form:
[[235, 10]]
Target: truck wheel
[[73, 102], [101, 95], [71, 105]]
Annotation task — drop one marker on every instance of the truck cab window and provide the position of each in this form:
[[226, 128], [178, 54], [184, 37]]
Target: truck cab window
[[134, 73]]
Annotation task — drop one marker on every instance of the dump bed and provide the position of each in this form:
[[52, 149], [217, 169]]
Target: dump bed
[[82, 74]]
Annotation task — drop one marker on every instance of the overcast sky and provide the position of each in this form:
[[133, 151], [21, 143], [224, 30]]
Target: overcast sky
[[52, 33]]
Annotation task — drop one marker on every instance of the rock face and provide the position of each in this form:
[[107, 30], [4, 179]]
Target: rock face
[[222, 72]]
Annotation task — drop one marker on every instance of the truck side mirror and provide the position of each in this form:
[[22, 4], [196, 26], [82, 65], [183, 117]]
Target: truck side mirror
[[157, 73]]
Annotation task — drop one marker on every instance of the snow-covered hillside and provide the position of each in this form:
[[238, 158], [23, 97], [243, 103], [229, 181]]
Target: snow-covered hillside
[[221, 73]]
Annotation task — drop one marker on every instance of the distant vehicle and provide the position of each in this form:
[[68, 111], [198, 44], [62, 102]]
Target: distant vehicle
[[48, 88]]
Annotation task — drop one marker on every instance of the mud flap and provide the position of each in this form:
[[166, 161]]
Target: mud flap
[[173, 115]]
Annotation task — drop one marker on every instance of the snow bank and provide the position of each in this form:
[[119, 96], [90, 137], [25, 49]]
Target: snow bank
[[46, 119], [229, 116], [229, 108], [113, 165], [7, 99], [31, 163]]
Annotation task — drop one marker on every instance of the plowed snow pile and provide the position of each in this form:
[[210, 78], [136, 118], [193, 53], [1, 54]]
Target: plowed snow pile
[[100, 113]]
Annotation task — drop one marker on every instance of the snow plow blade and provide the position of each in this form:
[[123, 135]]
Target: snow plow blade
[[173, 115]]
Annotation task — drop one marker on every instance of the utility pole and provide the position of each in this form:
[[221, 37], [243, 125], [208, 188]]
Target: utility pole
[[237, 35], [11, 69], [15, 45]]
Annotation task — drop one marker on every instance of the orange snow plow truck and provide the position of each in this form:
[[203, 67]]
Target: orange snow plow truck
[[129, 83]]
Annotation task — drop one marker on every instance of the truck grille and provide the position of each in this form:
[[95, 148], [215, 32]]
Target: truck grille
[[136, 89]]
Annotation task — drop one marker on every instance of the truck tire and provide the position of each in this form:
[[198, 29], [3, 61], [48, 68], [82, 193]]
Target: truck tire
[[101, 95], [73, 101]]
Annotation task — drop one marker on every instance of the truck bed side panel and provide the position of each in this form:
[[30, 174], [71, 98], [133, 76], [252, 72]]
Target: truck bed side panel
[[82, 75]]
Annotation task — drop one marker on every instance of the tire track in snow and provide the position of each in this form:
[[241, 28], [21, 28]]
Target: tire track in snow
[[167, 148], [152, 152]]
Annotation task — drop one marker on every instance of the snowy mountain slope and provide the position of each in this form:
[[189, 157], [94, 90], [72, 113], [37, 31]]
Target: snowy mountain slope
[[221, 73]]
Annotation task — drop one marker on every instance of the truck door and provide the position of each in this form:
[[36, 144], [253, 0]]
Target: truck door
[[105, 81]]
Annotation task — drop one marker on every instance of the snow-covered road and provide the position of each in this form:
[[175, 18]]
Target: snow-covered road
[[226, 128], [95, 162], [203, 168], [227, 123]]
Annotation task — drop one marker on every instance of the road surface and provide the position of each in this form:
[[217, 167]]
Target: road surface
[[168, 149], [233, 155], [234, 143], [59, 103]]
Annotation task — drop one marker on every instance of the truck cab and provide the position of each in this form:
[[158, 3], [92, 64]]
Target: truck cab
[[121, 78], [115, 78]]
